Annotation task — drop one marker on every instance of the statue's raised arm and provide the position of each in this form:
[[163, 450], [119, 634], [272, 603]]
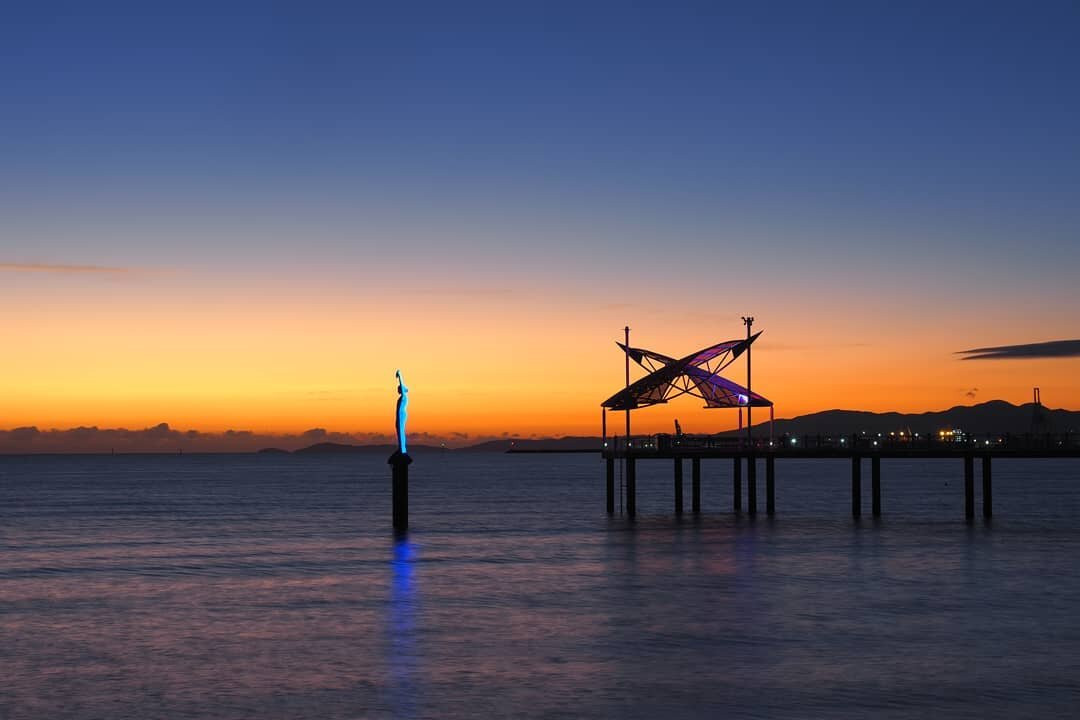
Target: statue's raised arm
[[402, 414]]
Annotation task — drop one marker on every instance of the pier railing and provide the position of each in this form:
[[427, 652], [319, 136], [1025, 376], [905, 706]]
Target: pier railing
[[864, 442]]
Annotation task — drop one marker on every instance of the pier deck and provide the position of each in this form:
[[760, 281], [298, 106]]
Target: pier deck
[[743, 451]]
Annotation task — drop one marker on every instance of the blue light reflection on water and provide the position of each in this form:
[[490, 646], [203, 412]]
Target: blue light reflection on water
[[402, 663]]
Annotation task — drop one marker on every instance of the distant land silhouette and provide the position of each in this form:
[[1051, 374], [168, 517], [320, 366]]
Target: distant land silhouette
[[995, 416], [988, 417], [333, 448], [563, 444]]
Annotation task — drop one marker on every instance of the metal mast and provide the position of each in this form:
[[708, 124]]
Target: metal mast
[[626, 331], [748, 320]]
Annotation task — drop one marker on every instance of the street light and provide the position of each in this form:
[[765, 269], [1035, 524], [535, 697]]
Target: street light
[[748, 321]]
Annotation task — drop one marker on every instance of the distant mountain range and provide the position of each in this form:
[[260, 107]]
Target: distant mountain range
[[331, 448], [563, 444], [996, 416]]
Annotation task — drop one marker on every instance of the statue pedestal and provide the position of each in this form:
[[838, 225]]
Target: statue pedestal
[[399, 463]]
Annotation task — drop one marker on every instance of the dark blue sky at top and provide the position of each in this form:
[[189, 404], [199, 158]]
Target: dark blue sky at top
[[864, 121]]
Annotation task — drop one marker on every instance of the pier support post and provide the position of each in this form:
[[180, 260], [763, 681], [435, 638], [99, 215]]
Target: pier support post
[[770, 484], [695, 484], [678, 486], [751, 484], [399, 464], [611, 485], [736, 484], [856, 486], [631, 487], [875, 485], [988, 491], [969, 486]]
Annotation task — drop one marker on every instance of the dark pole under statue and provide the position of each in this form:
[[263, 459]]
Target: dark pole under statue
[[400, 460]]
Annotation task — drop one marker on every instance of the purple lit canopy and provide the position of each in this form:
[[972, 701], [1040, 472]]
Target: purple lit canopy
[[697, 374]]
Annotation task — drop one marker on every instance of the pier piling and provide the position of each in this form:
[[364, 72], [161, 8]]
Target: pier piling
[[736, 484], [698, 448], [770, 484], [695, 483], [969, 486], [751, 485], [875, 485], [611, 486], [678, 486], [856, 486]]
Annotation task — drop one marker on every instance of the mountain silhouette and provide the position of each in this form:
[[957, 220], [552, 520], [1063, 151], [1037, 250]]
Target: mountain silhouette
[[995, 416]]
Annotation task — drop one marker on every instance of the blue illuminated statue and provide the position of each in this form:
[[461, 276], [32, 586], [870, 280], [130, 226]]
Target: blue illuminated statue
[[402, 414], [400, 460]]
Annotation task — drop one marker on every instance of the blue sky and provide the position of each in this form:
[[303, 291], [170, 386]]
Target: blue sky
[[954, 118], [907, 149]]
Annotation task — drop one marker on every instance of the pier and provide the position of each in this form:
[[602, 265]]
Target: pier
[[699, 375], [857, 448]]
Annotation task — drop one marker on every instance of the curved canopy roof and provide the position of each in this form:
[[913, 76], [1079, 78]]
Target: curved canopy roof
[[697, 374]]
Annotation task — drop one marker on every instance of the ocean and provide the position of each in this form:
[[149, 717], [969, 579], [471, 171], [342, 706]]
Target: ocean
[[265, 586]]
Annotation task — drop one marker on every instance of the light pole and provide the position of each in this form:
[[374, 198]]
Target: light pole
[[748, 320], [626, 342]]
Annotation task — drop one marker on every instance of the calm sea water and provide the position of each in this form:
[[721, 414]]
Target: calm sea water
[[271, 587]]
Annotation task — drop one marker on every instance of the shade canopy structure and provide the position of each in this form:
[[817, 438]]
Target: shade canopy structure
[[697, 374]]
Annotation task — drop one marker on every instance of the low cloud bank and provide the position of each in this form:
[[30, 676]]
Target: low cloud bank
[[62, 269], [162, 438], [1052, 349]]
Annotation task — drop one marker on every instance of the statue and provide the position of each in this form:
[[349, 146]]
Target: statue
[[402, 415], [400, 460]]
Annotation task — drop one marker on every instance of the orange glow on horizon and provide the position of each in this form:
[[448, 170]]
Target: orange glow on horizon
[[216, 357]]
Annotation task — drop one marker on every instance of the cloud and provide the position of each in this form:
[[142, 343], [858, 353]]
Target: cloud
[[163, 438], [1052, 349], [63, 269]]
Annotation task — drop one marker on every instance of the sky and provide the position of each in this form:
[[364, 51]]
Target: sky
[[249, 215]]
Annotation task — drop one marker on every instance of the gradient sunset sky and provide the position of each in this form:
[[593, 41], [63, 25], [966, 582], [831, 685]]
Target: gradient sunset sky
[[248, 215]]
